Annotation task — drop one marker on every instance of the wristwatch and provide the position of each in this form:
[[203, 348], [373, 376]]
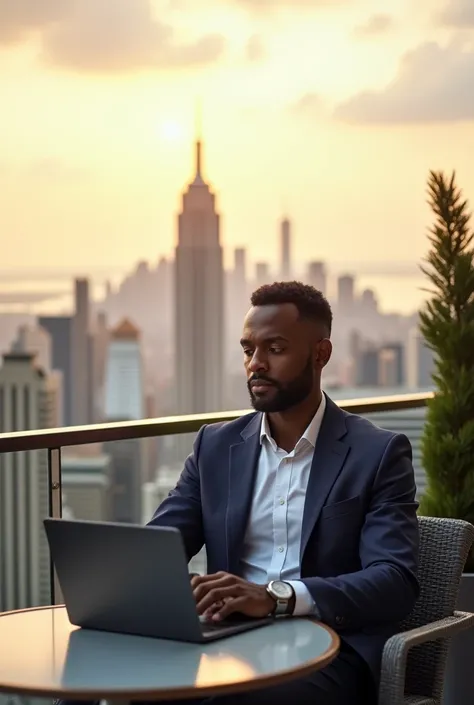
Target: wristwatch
[[283, 594]]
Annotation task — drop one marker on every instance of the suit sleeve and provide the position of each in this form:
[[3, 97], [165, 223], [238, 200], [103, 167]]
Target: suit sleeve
[[385, 589], [182, 508]]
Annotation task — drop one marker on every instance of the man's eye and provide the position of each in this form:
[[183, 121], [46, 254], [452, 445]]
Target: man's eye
[[275, 350], [247, 352]]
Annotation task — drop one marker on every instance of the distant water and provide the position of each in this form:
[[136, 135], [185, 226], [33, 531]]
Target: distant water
[[401, 293]]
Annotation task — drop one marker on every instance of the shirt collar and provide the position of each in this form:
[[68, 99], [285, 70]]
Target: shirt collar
[[311, 433]]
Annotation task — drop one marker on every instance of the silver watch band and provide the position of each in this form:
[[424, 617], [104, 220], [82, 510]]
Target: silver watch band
[[281, 607]]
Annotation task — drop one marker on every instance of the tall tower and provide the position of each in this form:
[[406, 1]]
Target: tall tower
[[25, 404], [199, 300], [80, 355], [285, 251]]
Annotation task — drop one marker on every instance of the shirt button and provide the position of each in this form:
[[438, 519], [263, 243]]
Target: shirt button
[[282, 501], [281, 549]]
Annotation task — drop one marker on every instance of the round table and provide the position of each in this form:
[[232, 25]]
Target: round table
[[43, 654]]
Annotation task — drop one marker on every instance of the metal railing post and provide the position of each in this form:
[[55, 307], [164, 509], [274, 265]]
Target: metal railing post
[[55, 510]]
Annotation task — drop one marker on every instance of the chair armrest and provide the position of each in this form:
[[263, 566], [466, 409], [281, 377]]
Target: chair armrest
[[394, 657]]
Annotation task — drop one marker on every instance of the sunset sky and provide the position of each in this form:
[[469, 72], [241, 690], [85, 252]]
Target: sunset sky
[[330, 111]]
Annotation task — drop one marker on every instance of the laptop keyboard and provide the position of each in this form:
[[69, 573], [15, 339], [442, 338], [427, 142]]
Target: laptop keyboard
[[214, 626], [234, 621]]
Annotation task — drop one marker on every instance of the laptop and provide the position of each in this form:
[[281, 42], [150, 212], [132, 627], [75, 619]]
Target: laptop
[[132, 580]]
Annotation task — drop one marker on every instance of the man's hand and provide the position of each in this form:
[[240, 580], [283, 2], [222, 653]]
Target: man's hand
[[221, 594]]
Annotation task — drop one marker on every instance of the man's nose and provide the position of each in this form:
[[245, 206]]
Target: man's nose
[[258, 363]]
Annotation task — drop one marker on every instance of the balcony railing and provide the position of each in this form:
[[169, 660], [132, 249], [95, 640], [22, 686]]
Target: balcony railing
[[53, 440]]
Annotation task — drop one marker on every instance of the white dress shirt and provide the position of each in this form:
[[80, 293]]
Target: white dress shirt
[[272, 541]]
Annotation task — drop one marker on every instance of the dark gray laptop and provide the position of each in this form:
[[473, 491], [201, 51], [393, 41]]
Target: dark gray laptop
[[132, 580]]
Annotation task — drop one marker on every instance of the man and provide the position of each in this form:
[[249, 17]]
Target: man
[[301, 493]]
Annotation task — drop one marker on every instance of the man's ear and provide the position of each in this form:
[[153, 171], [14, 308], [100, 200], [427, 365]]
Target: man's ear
[[324, 352]]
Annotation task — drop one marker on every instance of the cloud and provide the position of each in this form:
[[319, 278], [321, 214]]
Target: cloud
[[20, 17], [103, 35], [375, 25], [458, 13], [255, 48], [432, 85]]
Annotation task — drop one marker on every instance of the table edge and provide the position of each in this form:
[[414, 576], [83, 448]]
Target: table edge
[[256, 684]]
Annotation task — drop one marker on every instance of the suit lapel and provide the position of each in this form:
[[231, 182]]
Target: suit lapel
[[328, 458], [243, 461]]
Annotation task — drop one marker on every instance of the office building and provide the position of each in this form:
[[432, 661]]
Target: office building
[[367, 367], [391, 367], [124, 397], [86, 485], [36, 340], [317, 276], [125, 401], [368, 303], [25, 404], [237, 305], [81, 357], [60, 332], [285, 249], [420, 362], [345, 294], [100, 343], [262, 273]]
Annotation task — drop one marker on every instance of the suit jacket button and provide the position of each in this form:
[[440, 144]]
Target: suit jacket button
[[339, 619]]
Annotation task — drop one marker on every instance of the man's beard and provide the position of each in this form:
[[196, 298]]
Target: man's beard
[[284, 396]]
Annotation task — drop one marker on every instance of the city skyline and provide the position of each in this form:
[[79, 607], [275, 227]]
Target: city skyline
[[47, 292], [321, 113]]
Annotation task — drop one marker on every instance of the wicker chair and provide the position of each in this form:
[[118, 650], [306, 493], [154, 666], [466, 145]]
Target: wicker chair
[[414, 660]]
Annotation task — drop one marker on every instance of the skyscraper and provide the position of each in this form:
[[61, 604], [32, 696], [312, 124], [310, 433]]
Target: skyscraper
[[25, 404], [285, 249], [36, 341], [60, 331], [317, 276], [420, 361], [124, 384], [262, 273], [345, 294], [125, 400], [81, 356], [199, 300], [237, 305]]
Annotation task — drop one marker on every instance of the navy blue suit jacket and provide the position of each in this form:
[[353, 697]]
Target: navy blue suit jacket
[[359, 544]]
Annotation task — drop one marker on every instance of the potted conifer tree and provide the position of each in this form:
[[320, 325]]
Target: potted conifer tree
[[447, 324]]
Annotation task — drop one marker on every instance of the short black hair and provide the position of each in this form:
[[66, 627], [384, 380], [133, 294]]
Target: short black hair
[[310, 302]]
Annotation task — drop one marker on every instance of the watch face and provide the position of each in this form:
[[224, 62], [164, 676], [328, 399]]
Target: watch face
[[281, 590]]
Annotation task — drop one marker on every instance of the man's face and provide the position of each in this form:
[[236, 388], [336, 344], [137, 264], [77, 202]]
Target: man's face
[[283, 357]]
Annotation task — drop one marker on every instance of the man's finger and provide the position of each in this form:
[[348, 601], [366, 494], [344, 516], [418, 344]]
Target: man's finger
[[212, 609], [217, 595], [216, 607], [229, 607], [197, 578], [202, 588]]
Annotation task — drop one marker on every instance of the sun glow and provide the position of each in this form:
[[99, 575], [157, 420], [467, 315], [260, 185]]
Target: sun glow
[[171, 131]]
